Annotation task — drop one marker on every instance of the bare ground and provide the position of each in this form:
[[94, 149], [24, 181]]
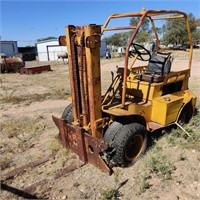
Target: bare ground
[[169, 170]]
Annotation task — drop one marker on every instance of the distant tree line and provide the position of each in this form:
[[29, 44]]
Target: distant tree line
[[46, 38], [172, 32]]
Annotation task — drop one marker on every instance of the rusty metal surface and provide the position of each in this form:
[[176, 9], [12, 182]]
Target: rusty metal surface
[[154, 126], [63, 172], [11, 64], [61, 127], [26, 192], [86, 146], [62, 40], [94, 148], [22, 169], [35, 69], [83, 44], [71, 137], [34, 186], [93, 41], [92, 52]]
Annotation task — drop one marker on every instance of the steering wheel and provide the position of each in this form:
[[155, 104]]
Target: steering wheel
[[141, 52]]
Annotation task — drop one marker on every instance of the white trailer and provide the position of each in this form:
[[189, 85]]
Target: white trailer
[[49, 50]]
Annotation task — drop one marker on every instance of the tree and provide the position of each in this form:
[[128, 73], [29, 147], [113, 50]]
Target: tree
[[197, 21], [176, 32], [118, 39], [143, 36], [196, 36], [121, 39], [144, 33], [145, 25], [47, 38]]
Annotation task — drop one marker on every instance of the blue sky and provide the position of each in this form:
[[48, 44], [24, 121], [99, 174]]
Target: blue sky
[[26, 21]]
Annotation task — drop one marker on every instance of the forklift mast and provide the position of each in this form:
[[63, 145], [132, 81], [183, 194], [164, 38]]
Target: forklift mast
[[83, 43], [84, 135]]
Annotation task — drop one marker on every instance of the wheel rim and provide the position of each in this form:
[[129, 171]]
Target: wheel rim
[[134, 147]]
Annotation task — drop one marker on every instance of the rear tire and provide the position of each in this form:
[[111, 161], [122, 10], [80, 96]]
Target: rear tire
[[130, 143], [186, 113], [68, 114]]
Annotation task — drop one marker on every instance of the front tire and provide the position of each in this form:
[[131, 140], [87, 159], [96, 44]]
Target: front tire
[[111, 132], [130, 143]]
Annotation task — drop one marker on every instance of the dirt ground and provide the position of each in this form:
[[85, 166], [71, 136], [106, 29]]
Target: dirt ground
[[28, 133]]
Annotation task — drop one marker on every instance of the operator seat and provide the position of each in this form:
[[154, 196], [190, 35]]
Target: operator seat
[[159, 65]]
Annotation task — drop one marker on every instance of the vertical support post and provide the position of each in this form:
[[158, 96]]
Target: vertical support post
[[48, 53], [155, 32], [190, 41], [93, 42], [127, 55]]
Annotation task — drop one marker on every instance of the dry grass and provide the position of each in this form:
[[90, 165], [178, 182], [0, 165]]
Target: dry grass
[[53, 145], [144, 183], [151, 177], [179, 138], [158, 163], [22, 128], [5, 162], [16, 88], [14, 99], [110, 194], [162, 161], [63, 155]]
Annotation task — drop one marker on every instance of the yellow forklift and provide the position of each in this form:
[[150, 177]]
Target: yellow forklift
[[113, 129]]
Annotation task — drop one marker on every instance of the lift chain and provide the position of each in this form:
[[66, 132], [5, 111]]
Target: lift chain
[[75, 77]]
